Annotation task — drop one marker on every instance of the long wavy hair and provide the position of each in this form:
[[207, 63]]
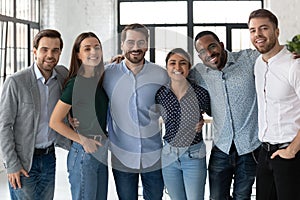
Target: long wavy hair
[[76, 63]]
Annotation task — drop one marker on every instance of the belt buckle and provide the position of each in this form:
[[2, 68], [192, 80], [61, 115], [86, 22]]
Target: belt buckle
[[47, 151], [284, 145], [268, 145], [97, 137]]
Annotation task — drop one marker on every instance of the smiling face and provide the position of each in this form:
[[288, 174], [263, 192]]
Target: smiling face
[[90, 52], [134, 47], [47, 54], [263, 34], [178, 67], [211, 52]]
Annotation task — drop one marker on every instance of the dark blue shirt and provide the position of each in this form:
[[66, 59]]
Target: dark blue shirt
[[181, 116]]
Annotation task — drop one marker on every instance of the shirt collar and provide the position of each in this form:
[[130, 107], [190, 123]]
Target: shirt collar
[[282, 52], [39, 75], [168, 86], [230, 59], [128, 71]]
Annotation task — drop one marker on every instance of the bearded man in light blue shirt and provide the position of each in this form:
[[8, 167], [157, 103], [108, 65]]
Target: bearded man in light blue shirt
[[133, 127]]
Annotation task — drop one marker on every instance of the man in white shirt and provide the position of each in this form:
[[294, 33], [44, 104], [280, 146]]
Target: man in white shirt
[[277, 78]]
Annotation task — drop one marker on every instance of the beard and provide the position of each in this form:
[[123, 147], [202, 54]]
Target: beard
[[267, 47], [219, 63], [135, 58], [46, 66]]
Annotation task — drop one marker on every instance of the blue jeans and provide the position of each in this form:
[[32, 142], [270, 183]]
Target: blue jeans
[[87, 175], [223, 168], [41, 181], [127, 183], [184, 171]]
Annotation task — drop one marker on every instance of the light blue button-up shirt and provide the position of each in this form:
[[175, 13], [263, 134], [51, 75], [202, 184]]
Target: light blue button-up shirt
[[233, 101], [133, 126], [49, 94]]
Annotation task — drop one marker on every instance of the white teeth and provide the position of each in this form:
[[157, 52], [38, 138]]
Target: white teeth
[[259, 41], [177, 73], [213, 60]]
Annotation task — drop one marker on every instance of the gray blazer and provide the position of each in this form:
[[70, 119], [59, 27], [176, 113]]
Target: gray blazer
[[19, 118]]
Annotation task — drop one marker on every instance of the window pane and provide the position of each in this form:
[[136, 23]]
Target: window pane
[[6, 7], [241, 39], [153, 12], [220, 31], [168, 38], [22, 9], [224, 11], [1, 83], [33, 32], [10, 64], [35, 10], [27, 10], [3, 28], [21, 46]]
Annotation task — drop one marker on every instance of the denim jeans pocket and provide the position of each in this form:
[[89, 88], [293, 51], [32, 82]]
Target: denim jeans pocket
[[168, 156], [166, 150], [72, 157], [102, 153], [197, 153], [87, 156]]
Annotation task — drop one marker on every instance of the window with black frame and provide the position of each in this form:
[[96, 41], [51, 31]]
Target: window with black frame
[[175, 23], [19, 22]]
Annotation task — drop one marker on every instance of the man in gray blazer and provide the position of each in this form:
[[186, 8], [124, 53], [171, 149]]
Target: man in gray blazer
[[27, 100]]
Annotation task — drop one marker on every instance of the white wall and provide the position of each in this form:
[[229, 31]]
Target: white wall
[[288, 16], [72, 17]]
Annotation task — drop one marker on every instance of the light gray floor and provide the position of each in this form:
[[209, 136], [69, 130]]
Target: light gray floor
[[62, 188]]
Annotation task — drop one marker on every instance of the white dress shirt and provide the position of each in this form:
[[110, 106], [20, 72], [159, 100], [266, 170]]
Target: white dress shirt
[[278, 92]]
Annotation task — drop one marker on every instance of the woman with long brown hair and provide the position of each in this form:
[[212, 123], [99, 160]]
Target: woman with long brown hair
[[86, 100]]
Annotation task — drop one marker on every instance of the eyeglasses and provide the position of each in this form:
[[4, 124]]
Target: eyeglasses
[[210, 48], [139, 43]]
